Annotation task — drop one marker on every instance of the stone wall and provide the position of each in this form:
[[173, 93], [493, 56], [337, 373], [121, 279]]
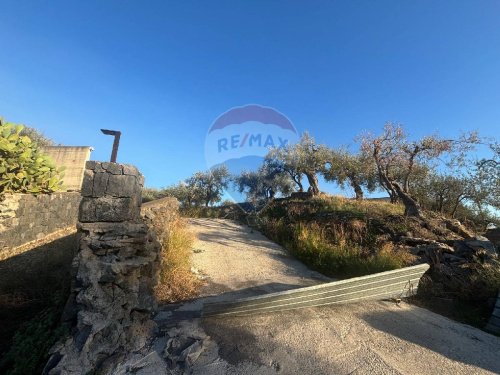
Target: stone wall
[[27, 217], [116, 268]]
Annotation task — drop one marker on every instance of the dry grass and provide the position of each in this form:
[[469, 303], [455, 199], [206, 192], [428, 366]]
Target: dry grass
[[342, 256], [365, 206], [336, 250], [177, 282]]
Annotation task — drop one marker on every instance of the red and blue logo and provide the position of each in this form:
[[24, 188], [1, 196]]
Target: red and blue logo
[[241, 137]]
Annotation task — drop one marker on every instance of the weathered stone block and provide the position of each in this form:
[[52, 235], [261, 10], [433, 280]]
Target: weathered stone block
[[24, 217], [88, 183], [113, 168], [96, 166], [100, 184], [122, 186], [91, 164], [107, 209], [130, 170]]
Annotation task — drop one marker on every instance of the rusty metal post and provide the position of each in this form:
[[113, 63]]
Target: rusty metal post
[[116, 142]]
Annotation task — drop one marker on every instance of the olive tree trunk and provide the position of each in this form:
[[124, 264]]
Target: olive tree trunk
[[313, 183]]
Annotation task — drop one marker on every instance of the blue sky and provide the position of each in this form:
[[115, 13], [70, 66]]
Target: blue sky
[[162, 72]]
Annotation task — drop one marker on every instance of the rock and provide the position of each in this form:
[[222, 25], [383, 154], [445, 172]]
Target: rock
[[149, 364], [457, 227], [415, 240], [191, 353], [122, 186], [453, 258], [493, 235], [479, 243], [107, 209], [462, 250], [434, 251], [87, 185], [475, 249], [113, 168], [100, 184]]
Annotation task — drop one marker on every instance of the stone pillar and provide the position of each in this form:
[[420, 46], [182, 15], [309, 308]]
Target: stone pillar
[[116, 268]]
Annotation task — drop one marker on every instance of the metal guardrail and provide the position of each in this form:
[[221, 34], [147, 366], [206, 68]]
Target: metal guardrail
[[494, 322], [397, 283]]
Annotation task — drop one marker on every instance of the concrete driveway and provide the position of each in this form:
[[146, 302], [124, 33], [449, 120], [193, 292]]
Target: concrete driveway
[[363, 338]]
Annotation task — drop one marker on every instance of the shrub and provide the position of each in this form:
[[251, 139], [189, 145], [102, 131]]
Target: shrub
[[151, 194], [23, 169], [32, 342]]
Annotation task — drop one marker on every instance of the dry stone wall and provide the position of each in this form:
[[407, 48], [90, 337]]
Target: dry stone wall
[[116, 268], [27, 217]]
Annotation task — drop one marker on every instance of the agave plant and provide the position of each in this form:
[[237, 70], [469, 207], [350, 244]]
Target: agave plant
[[23, 168]]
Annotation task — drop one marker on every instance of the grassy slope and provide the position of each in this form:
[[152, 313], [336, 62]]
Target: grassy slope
[[337, 236]]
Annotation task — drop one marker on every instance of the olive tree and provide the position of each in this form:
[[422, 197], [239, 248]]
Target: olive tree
[[186, 195], [209, 186], [397, 158], [37, 137], [305, 158], [443, 193], [355, 170], [485, 178], [264, 184]]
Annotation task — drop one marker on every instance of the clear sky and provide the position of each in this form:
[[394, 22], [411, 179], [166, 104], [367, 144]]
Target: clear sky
[[163, 71]]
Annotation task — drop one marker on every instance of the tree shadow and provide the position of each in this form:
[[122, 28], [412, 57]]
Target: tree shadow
[[456, 341]]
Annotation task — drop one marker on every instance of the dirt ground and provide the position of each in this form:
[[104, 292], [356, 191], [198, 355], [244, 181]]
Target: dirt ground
[[362, 338]]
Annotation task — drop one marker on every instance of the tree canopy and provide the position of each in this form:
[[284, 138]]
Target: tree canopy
[[429, 173]]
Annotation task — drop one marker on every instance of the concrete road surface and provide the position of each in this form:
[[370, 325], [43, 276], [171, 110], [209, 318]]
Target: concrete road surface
[[362, 338]]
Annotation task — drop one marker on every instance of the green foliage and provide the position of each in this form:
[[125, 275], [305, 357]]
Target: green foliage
[[23, 168], [151, 194], [187, 195], [202, 188], [400, 161], [36, 136], [337, 257], [346, 168], [485, 180], [209, 185], [31, 344], [263, 184], [303, 158]]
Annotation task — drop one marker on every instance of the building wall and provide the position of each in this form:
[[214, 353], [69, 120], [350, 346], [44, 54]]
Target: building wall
[[73, 158]]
